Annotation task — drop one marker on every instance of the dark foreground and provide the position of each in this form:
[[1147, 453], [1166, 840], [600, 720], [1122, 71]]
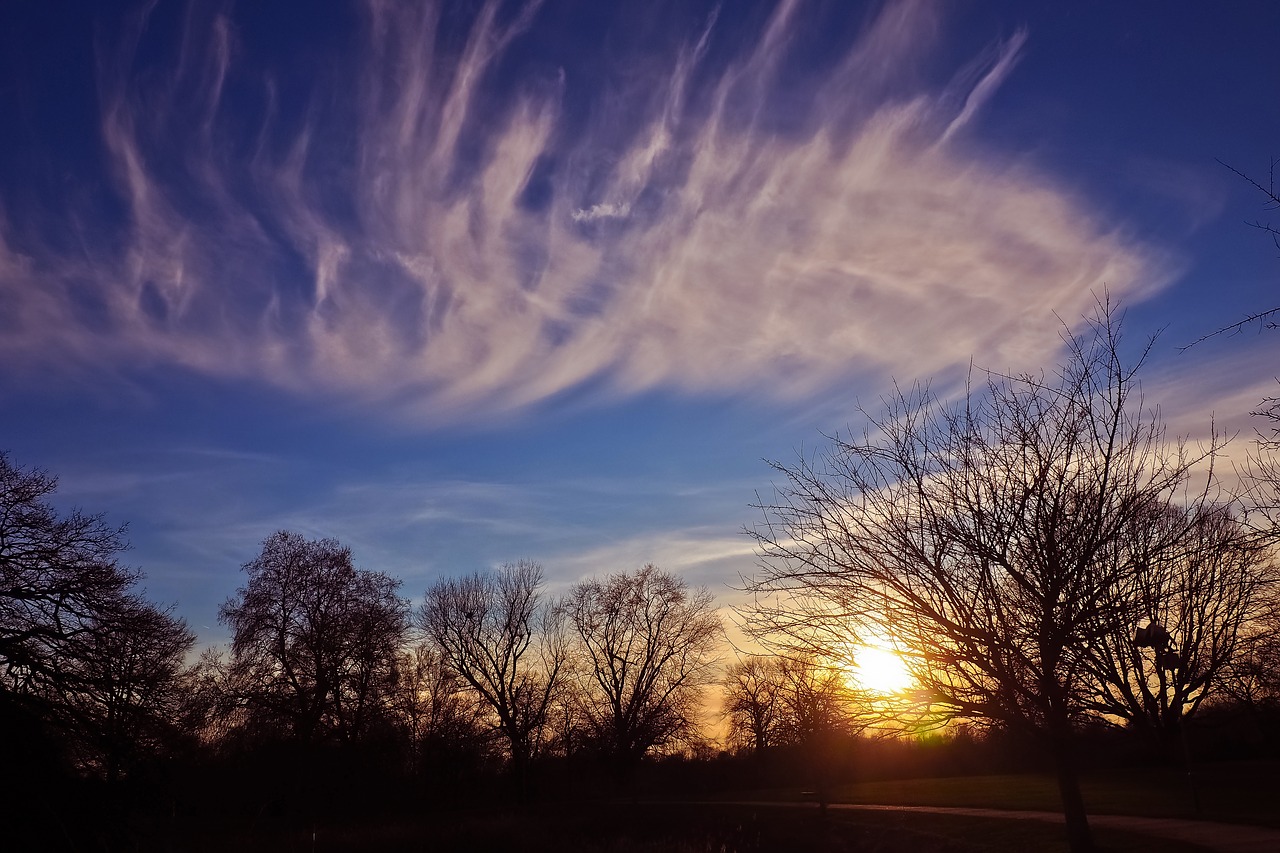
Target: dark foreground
[[641, 828]]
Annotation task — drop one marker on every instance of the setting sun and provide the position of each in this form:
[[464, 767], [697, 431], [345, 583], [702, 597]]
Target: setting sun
[[879, 669]]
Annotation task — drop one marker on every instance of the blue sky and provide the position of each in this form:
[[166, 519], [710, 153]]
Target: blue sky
[[461, 283]]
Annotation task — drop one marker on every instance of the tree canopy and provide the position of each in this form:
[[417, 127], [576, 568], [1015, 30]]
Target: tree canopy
[[79, 646], [499, 634], [647, 645], [315, 640]]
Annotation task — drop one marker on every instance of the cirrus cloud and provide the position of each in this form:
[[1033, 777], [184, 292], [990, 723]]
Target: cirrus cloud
[[422, 232]]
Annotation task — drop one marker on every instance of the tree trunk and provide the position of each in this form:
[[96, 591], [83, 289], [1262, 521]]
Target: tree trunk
[[520, 758], [1178, 752], [1079, 838]]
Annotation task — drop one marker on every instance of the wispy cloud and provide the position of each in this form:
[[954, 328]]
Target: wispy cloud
[[601, 211], [699, 554], [422, 234], [1006, 58]]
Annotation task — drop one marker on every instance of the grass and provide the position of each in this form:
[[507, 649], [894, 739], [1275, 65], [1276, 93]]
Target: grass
[[1238, 792], [687, 828], [998, 835]]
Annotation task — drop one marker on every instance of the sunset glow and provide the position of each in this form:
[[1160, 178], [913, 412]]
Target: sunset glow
[[879, 670]]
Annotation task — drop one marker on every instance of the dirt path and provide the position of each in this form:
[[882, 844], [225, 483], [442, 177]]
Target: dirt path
[[1224, 837]]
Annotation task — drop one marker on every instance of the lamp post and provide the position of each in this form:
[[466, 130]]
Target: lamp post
[[1155, 637]]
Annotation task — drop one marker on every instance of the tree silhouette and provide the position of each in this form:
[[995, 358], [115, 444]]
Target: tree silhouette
[[646, 643], [751, 702], [984, 537], [78, 647], [1253, 677], [786, 700], [445, 720], [815, 698], [315, 640], [60, 582], [128, 688], [1190, 609], [495, 630]]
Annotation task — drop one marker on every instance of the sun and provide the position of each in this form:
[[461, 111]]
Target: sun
[[879, 670]]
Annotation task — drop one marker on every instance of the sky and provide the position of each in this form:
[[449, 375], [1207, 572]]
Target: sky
[[464, 283]]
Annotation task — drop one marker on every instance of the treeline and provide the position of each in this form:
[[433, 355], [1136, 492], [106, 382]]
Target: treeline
[[338, 697], [487, 666], [334, 691]]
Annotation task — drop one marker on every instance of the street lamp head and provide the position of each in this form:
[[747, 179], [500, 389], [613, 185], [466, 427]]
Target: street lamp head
[[1152, 636]]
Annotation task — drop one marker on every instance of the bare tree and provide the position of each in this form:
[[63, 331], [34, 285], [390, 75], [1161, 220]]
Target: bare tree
[[648, 646], [60, 582], [314, 639], [1190, 609], [983, 538], [1265, 318], [1262, 471], [568, 730], [496, 631], [375, 627], [1253, 677], [442, 716], [78, 647], [816, 700], [781, 700], [1261, 475], [124, 700], [751, 703], [211, 709]]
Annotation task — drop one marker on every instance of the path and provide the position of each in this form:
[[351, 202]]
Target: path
[[1222, 837]]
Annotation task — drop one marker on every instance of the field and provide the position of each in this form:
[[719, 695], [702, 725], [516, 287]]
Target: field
[[1239, 793], [777, 820], [1235, 792], [689, 828]]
